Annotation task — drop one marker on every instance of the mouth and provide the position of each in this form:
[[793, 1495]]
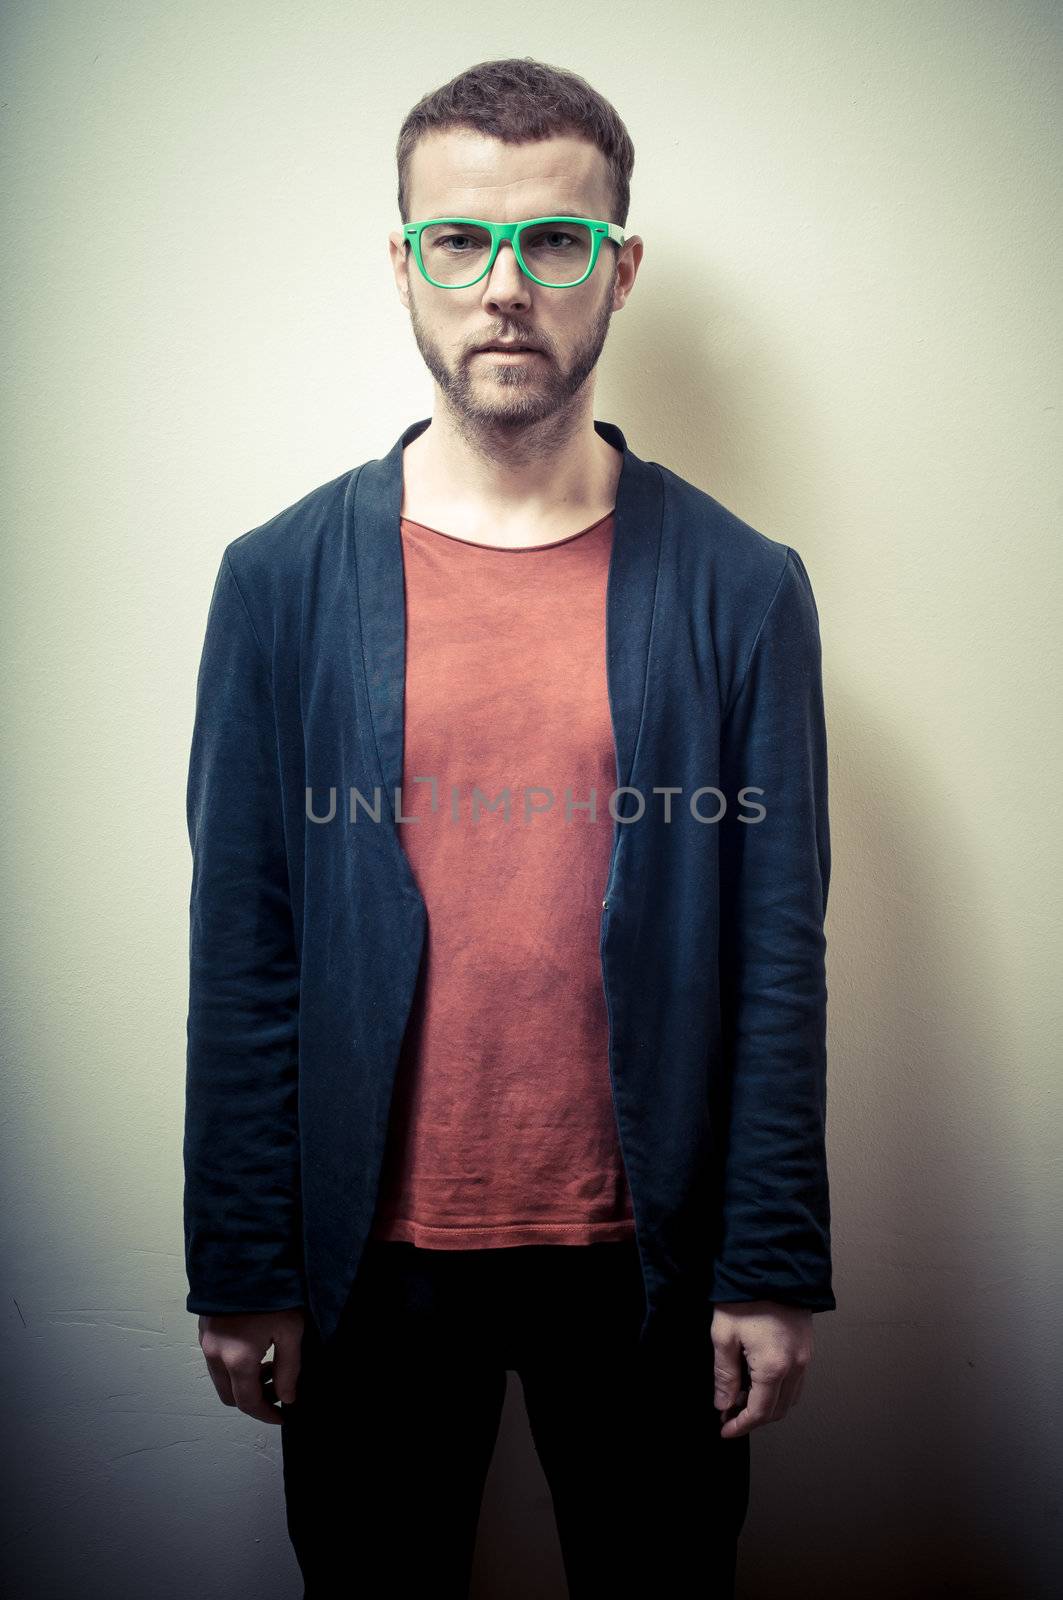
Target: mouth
[[507, 350]]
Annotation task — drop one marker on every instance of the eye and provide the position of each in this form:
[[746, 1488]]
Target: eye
[[544, 239]]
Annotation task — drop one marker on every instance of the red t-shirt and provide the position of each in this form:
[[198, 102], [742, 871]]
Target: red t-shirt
[[502, 1129]]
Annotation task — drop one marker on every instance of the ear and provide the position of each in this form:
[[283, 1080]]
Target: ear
[[398, 247]]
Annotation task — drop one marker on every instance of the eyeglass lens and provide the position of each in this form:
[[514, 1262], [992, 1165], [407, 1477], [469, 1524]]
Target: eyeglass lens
[[455, 254]]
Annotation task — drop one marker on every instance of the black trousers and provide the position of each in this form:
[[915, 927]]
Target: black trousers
[[387, 1445]]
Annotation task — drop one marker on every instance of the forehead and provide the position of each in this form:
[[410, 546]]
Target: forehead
[[458, 172]]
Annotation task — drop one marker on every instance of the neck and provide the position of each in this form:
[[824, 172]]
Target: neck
[[544, 473]]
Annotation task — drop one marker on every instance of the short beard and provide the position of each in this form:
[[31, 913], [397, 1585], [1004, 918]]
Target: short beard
[[521, 399]]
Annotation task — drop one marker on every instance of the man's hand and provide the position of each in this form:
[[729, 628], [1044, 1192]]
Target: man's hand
[[234, 1345], [776, 1340]]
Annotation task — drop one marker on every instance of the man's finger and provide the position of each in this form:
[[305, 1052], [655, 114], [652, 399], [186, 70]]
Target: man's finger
[[760, 1408], [785, 1401], [799, 1384], [250, 1395], [728, 1375], [219, 1377], [286, 1365]]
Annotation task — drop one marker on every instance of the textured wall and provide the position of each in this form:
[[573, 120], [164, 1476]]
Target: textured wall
[[847, 328]]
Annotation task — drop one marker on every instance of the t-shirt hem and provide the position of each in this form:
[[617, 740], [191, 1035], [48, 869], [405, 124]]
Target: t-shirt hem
[[485, 1236]]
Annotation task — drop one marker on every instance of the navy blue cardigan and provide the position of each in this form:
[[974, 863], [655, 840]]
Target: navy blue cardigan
[[306, 938]]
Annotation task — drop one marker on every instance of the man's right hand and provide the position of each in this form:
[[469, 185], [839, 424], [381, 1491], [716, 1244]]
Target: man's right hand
[[234, 1345]]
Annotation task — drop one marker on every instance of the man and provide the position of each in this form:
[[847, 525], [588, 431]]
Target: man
[[471, 1090]]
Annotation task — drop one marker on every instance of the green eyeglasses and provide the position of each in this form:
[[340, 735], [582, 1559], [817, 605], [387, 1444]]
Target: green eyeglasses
[[558, 252]]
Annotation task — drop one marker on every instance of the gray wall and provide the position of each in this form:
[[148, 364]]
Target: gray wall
[[847, 328]]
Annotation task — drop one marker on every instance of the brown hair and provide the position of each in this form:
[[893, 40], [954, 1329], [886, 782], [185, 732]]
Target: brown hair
[[519, 100]]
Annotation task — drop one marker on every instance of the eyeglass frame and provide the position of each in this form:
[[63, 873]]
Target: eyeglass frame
[[509, 233]]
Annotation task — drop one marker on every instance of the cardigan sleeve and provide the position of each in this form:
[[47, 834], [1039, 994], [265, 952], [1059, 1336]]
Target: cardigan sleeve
[[241, 1147], [775, 873]]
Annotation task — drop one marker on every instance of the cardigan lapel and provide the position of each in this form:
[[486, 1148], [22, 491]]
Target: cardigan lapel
[[373, 513]]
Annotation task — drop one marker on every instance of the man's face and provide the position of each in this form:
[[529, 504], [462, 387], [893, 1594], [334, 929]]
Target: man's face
[[461, 173]]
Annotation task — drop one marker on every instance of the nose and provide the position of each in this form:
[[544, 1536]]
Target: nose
[[506, 284]]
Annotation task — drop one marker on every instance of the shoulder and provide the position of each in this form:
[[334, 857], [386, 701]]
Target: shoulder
[[744, 577], [742, 557], [269, 557]]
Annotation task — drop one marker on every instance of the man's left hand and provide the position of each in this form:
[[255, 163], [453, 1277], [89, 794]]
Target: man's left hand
[[775, 1341]]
